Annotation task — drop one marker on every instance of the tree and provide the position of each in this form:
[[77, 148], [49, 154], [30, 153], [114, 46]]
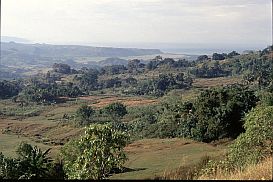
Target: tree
[[202, 58], [151, 65], [116, 109], [133, 65], [85, 113], [216, 56], [158, 58], [9, 89], [31, 163], [130, 81], [113, 69], [232, 54], [89, 79], [61, 68], [95, 154], [219, 112], [39, 93], [110, 83]]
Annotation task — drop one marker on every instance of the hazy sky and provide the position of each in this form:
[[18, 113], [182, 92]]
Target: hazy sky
[[245, 22]]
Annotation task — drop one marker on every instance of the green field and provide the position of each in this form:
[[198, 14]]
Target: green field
[[9, 144], [149, 158]]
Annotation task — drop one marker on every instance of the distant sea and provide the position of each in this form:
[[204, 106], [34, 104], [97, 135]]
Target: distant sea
[[202, 51]]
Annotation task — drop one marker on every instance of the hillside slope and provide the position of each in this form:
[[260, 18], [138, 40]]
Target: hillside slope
[[12, 53]]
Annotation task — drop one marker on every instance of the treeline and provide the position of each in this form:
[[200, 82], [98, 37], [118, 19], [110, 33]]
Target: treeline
[[256, 68], [9, 88], [215, 114], [234, 64], [41, 91]]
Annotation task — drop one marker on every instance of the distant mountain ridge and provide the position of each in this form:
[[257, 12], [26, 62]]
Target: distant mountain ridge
[[48, 50], [14, 39]]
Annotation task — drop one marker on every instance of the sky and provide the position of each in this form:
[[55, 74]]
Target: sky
[[140, 23]]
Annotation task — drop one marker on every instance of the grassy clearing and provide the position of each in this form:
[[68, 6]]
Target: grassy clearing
[[9, 144], [49, 126], [102, 101], [149, 158], [184, 95], [47, 133], [215, 82], [9, 108]]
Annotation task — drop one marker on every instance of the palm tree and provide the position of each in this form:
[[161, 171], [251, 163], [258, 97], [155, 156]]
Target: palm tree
[[33, 162]]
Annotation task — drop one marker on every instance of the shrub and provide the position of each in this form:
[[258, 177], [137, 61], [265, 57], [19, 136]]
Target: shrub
[[256, 142], [95, 154], [249, 148], [84, 113], [115, 109]]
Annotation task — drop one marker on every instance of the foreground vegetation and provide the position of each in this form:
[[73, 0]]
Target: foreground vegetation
[[54, 108]]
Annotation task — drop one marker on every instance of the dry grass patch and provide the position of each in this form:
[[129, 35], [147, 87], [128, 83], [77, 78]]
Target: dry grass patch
[[215, 82], [260, 171], [100, 101]]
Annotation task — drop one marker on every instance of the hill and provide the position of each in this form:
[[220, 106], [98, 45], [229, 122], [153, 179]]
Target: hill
[[13, 54], [112, 61]]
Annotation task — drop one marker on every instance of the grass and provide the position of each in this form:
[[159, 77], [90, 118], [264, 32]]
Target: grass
[[47, 127], [215, 82], [102, 101], [260, 171], [149, 158], [9, 108], [186, 172], [9, 144], [185, 95]]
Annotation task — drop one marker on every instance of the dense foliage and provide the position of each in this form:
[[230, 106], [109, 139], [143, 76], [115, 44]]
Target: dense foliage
[[42, 93], [210, 70], [9, 89], [256, 142], [215, 114]]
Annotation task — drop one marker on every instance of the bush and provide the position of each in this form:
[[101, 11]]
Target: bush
[[249, 148], [115, 109], [95, 154], [256, 142], [84, 113], [219, 112]]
